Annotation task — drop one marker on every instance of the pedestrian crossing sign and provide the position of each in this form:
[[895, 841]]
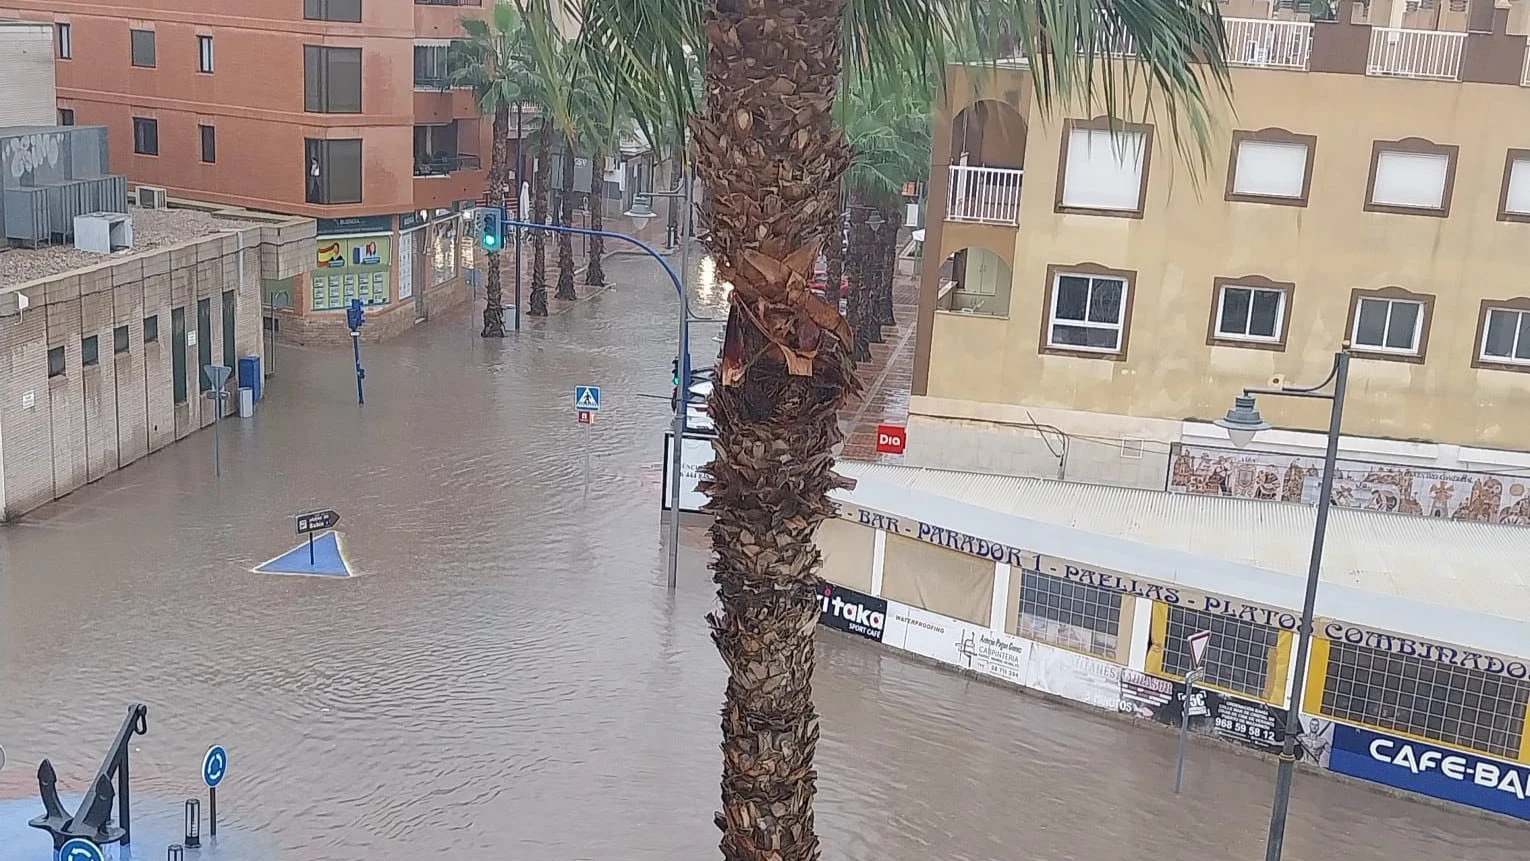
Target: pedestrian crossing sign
[[587, 399]]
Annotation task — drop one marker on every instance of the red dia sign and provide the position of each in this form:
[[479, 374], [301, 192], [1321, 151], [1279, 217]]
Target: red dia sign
[[891, 439]]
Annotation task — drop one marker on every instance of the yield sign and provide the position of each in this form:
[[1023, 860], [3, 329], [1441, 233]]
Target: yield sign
[[1198, 643]]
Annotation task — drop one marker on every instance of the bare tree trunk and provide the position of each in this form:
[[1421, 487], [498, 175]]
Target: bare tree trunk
[[594, 272], [566, 218], [771, 158], [539, 193], [494, 293]]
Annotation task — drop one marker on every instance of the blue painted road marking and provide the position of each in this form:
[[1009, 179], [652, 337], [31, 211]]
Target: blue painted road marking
[[328, 559]]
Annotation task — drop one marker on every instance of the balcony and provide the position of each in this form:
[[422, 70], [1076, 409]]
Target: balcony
[[1428, 54], [984, 195], [1268, 44], [445, 165]]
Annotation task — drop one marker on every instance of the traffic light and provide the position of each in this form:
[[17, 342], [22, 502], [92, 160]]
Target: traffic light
[[488, 221], [674, 371]]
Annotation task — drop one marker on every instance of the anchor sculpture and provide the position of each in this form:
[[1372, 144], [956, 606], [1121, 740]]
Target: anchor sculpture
[[92, 820]]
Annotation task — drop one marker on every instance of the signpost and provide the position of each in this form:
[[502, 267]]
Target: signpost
[[316, 521], [80, 849], [587, 404], [218, 375], [214, 769], [891, 439], [1198, 643]]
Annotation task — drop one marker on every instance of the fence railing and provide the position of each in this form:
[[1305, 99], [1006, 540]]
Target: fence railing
[[1433, 54], [445, 165], [985, 195], [1268, 44]]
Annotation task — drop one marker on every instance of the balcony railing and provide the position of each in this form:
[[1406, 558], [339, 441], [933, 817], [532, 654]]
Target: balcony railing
[[1268, 44], [1432, 54], [984, 195], [448, 2], [445, 165]]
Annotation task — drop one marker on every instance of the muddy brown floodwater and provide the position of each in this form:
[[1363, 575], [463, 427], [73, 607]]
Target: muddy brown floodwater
[[509, 678]]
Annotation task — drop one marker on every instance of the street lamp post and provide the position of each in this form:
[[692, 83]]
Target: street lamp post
[[1241, 423]]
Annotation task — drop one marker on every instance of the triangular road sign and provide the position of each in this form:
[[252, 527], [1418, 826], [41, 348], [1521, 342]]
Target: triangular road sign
[[1198, 643], [328, 559]]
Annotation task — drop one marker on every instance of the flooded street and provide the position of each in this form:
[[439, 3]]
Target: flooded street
[[509, 678]]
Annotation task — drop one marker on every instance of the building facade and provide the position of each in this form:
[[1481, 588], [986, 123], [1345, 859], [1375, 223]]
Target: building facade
[[26, 88], [335, 109], [1092, 297]]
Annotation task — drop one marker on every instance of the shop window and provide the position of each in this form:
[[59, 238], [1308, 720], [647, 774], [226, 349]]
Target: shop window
[[1239, 657], [1410, 694], [1073, 615]]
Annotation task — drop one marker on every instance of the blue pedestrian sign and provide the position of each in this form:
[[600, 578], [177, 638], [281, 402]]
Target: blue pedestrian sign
[[587, 399], [80, 849], [214, 766]]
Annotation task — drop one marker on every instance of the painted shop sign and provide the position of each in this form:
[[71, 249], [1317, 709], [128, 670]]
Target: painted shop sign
[[1417, 767], [950, 539], [850, 611], [1399, 645], [1177, 596]]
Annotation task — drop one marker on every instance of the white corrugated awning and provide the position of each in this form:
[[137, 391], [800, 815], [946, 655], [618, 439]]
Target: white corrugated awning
[[1461, 582]]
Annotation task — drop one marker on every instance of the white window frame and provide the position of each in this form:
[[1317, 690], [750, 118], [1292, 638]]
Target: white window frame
[[1522, 174], [1119, 327], [1098, 145], [1418, 327], [204, 53], [1253, 143], [1511, 359], [1280, 315], [1441, 202], [65, 40]]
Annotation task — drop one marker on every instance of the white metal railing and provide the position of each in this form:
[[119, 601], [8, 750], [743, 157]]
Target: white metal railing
[[1268, 44], [985, 195], [1404, 53]]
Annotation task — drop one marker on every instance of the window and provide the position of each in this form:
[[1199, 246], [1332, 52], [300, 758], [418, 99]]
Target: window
[[65, 41], [178, 353], [205, 54], [1250, 312], [1237, 659], [204, 343], [331, 80], [1072, 615], [90, 351], [332, 10], [151, 329], [143, 48], [66, 116], [56, 362], [1411, 177], [975, 281], [209, 144], [230, 347], [431, 70], [1392, 323], [1514, 199], [1087, 312], [1271, 166], [1459, 706], [1103, 171], [145, 136], [334, 170], [120, 339], [1503, 335]]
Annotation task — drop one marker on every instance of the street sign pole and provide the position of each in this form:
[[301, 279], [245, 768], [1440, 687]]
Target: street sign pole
[[316, 521], [214, 768], [355, 316], [217, 375], [586, 406], [1198, 642]]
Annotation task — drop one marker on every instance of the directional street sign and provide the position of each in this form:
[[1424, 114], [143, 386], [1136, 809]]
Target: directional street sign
[[1198, 643], [214, 766], [80, 849], [587, 399], [317, 521]]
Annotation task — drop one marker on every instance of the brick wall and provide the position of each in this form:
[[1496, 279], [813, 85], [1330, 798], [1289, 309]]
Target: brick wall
[[60, 432]]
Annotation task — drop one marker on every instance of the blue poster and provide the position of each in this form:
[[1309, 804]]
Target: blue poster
[[1465, 778]]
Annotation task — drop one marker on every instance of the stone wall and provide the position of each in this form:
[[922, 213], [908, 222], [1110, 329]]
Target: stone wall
[[61, 430]]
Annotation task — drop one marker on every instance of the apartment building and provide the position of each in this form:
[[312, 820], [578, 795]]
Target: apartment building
[[335, 109], [1092, 298]]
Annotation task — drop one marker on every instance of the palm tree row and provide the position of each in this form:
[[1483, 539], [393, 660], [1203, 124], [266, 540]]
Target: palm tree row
[[774, 164]]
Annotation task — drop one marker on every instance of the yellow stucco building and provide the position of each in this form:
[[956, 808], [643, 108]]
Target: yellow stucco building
[[1091, 298]]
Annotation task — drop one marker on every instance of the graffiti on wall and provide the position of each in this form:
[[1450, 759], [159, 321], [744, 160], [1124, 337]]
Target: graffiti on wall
[[26, 153], [1395, 488]]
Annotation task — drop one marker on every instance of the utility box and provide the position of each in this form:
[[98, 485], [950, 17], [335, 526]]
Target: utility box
[[103, 232], [250, 376]]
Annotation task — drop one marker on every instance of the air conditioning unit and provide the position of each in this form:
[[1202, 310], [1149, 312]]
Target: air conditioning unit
[[152, 197]]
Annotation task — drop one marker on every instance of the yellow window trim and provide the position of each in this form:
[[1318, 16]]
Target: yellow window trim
[[1312, 703], [1278, 661]]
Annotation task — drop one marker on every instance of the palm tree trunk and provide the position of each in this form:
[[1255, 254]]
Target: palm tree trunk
[[834, 256], [494, 294], [862, 238], [539, 215], [566, 218], [771, 158], [594, 273], [893, 223]]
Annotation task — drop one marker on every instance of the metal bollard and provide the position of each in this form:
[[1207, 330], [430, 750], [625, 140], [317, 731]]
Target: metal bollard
[[193, 823], [175, 853]]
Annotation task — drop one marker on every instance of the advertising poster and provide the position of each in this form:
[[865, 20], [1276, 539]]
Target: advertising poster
[[694, 454], [997, 654], [1147, 697], [1247, 722], [929, 634], [1315, 744], [1435, 771], [1073, 676], [853, 612]]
